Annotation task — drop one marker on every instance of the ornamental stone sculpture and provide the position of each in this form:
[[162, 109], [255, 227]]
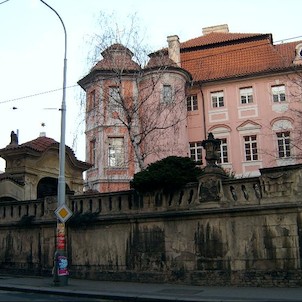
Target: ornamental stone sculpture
[[211, 145]]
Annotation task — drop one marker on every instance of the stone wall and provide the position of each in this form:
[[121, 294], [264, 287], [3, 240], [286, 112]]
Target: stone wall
[[245, 232]]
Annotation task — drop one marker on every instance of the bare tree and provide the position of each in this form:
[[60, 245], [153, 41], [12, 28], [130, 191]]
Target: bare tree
[[145, 95], [286, 128], [295, 93]]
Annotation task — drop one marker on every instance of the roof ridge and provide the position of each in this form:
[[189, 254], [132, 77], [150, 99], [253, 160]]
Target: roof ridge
[[215, 38]]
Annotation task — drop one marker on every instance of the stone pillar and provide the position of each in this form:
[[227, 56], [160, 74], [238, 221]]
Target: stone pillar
[[210, 186]]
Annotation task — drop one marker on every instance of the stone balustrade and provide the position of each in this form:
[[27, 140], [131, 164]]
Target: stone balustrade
[[275, 185]]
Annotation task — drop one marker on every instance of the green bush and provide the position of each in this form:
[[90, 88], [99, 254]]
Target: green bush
[[170, 173]]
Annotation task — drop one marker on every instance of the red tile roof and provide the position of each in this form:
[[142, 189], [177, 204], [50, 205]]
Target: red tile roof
[[40, 144], [218, 38], [115, 57], [160, 59], [227, 55]]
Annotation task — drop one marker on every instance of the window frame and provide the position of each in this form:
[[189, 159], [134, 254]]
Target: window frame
[[278, 93], [92, 152], [223, 151], [195, 149], [192, 102], [246, 95], [91, 100], [283, 144], [117, 92], [217, 99], [114, 99], [116, 162], [250, 147], [167, 96]]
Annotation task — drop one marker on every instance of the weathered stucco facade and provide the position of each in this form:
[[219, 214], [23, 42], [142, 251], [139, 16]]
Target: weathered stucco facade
[[216, 232]]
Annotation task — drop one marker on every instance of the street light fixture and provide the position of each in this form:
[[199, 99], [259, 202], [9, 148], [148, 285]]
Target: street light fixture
[[60, 261]]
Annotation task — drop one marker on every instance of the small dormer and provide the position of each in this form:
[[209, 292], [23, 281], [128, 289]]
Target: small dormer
[[298, 57]]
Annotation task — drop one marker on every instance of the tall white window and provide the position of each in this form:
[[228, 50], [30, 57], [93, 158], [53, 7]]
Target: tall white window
[[195, 151], [246, 95], [217, 99], [114, 99], [278, 93], [167, 94], [250, 147], [114, 93], [116, 152], [223, 152], [283, 139], [192, 104]]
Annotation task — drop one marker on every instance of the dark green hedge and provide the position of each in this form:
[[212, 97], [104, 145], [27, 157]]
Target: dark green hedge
[[170, 173]]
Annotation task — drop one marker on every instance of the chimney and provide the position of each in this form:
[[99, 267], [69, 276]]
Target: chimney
[[174, 49], [224, 28], [42, 134]]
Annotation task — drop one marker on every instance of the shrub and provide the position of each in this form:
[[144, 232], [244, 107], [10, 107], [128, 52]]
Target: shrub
[[170, 173]]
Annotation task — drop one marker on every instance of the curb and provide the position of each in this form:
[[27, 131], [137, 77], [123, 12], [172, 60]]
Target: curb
[[93, 295]]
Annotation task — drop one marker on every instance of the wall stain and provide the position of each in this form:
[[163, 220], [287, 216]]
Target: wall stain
[[299, 227], [210, 249], [146, 249]]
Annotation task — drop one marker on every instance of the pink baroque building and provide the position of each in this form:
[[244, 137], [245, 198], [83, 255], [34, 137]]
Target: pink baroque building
[[247, 92], [134, 116], [243, 88]]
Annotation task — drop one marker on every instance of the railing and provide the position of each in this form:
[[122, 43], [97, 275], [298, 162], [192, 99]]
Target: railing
[[15, 210], [232, 193]]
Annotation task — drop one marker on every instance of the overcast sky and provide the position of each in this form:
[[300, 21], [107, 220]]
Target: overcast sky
[[32, 50]]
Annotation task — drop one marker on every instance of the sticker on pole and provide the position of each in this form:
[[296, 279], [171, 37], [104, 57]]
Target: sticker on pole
[[63, 213]]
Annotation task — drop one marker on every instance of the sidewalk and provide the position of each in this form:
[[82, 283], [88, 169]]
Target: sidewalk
[[128, 291]]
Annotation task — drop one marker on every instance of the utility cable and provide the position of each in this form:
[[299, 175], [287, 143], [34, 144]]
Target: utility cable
[[36, 94]]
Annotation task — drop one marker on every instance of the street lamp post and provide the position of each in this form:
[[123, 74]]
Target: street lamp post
[[60, 258]]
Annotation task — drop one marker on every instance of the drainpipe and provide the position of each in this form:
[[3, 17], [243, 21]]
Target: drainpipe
[[204, 113]]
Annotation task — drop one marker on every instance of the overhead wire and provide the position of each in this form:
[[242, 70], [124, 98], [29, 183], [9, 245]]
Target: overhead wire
[[36, 94], [293, 38], [3, 2]]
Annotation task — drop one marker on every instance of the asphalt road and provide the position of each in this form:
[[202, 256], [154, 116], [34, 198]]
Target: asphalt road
[[14, 296]]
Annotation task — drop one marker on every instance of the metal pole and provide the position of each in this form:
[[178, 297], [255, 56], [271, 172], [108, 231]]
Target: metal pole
[[60, 252]]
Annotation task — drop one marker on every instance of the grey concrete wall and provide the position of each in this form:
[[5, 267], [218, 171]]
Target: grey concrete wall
[[196, 248]]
